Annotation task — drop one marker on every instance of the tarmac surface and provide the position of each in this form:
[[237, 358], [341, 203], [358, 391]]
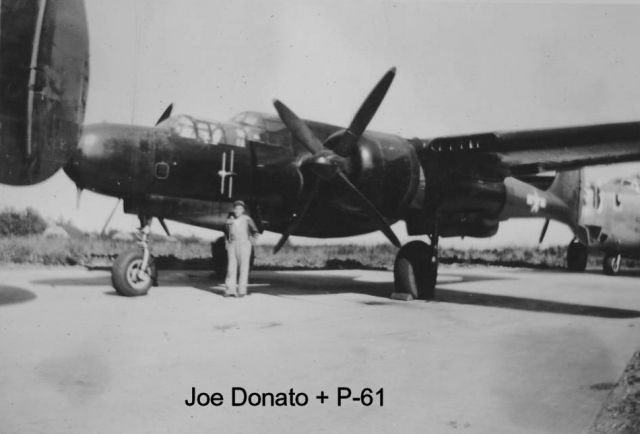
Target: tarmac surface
[[499, 351]]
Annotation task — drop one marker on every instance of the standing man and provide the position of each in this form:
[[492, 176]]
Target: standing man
[[241, 234]]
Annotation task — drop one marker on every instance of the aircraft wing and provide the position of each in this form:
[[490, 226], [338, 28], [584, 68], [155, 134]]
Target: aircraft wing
[[530, 152]]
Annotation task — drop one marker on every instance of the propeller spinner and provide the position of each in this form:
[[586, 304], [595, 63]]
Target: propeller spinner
[[324, 164]]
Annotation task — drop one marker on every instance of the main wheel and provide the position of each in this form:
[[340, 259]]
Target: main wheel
[[577, 256], [611, 264], [416, 269], [219, 257], [125, 275]]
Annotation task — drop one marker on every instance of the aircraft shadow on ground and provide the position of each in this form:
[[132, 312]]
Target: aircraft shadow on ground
[[13, 294], [532, 304], [80, 281], [624, 272], [280, 286], [302, 283]]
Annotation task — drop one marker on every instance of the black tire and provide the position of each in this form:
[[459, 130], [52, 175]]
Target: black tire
[[219, 257], [577, 256], [415, 270], [124, 274], [611, 264]]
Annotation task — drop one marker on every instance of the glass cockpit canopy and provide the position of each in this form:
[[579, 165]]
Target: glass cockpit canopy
[[242, 127], [205, 131]]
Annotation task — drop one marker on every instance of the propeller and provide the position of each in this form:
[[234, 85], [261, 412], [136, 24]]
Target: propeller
[[298, 128], [166, 114], [368, 109], [298, 218], [326, 165]]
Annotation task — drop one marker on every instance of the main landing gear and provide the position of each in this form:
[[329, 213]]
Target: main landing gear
[[577, 256], [219, 257], [134, 271], [416, 269]]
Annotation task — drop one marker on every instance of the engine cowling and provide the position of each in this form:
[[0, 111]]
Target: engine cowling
[[384, 168]]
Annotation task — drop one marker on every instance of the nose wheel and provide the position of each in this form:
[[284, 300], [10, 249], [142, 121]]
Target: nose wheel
[[134, 272]]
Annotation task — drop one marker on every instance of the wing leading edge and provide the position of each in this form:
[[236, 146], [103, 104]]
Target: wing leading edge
[[535, 151]]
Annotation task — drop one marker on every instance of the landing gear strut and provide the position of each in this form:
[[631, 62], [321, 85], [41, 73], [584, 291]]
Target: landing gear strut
[[577, 256], [416, 269], [611, 264], [134, 271]]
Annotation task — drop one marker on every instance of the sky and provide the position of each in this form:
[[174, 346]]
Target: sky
[[461, 68]]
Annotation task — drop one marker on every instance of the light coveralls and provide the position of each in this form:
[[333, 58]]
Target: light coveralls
[[241, 235]]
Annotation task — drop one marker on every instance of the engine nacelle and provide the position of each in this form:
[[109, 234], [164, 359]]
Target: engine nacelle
[[388, 175]]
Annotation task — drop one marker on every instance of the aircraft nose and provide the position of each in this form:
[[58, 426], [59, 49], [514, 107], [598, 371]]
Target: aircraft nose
[[110, 160], [91, 148]]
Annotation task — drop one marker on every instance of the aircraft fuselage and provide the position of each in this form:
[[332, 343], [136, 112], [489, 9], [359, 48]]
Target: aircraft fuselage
[[190, 170], [611, 213]]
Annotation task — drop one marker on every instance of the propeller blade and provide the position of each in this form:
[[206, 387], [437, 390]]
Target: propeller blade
[[164, 226], [166, 114], [106, 224], [78, 194], [544, 231], [296, 221], [298, 128], [369, 107], [371, 208], [327, 164], [281, 242]]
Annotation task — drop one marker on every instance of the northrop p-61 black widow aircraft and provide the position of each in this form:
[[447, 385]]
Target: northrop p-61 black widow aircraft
[[312, 179]]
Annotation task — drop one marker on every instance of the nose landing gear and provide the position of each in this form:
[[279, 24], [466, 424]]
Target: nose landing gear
[[134, 271]]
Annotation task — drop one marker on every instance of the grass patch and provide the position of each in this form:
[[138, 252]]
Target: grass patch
[[90, 251], [86, 250], [620, 413]]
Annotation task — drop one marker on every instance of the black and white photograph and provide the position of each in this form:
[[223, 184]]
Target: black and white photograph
[[319, 216]]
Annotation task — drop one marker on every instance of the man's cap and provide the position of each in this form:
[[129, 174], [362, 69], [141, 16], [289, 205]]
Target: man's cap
[[239, 203]]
